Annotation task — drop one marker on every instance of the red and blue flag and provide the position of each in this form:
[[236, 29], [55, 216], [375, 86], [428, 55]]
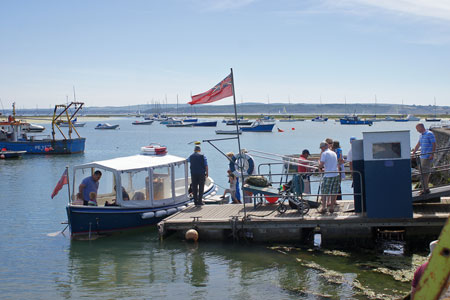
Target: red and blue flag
[[222, 90]]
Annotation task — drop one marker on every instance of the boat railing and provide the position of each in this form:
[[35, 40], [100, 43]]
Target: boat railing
[[439, 172], [315, 180]]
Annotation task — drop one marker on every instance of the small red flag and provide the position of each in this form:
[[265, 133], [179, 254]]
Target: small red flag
[[222, 90], [62, 181]]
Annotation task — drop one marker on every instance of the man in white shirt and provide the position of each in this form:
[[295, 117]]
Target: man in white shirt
[[330, 186]]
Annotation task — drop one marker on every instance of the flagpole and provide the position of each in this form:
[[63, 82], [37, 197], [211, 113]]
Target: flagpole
[[241, 167], [68, 182]]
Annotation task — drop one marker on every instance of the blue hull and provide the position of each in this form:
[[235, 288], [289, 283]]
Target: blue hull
[[259, 128], [68, 146], [96, 220], [205, 124]]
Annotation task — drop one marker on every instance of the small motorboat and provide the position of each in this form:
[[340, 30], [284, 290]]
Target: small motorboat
[[291, 119], [5, 154], [354, 120], [240, 122], [171, 121], [182, 124], [258, 126], [319, 119], [228, 132], [135, 191], [145, 122], [106, 126], [28, 127]]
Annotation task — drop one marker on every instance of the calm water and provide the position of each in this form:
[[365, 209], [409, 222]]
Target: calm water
[[138, 265]]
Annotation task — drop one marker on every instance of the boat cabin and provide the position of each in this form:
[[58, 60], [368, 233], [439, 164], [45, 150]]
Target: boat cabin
[[139, 181]]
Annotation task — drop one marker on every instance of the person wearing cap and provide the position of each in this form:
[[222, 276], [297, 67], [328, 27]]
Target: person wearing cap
[[330, 187], [427, 145], [199, 172], [303, 160], [420, 270]]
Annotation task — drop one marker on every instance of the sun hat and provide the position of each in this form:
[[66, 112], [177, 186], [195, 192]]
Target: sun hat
[[323, 144]]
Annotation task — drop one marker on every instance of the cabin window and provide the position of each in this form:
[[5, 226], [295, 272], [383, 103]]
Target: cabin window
[[179, 171], [162, 183], [105, 190], [386, 150], [134, 183]]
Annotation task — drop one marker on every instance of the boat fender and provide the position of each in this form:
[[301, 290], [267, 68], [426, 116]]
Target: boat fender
[[161, 213], [171, 211], [148, 215], [249, 164], [180, 208]]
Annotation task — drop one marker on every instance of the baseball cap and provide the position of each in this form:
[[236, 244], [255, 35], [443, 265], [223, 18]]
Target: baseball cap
[[352, 138], [323, 144]]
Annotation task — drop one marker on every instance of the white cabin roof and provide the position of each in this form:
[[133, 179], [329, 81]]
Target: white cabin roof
[[135, 162]]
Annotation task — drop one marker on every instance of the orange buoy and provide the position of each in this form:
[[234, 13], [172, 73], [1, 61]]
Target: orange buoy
[[191, 235]]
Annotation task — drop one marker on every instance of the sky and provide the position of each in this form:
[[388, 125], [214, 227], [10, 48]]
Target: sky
[[118, 53]]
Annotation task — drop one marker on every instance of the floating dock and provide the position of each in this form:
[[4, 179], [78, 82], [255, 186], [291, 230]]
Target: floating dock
[[265, 224]]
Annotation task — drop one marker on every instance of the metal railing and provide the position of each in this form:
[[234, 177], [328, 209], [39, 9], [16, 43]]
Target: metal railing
[[439, 167]]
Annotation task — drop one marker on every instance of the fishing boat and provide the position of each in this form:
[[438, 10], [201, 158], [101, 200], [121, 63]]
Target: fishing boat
[[319, 119], [258, 126], [354, 120], [106, 126], [229, 131], [145, 122], [12, 138], [205, 124], [11, 154], [134, 191]]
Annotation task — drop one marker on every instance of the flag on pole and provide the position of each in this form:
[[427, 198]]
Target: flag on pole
[[222, 90], [62, 181]]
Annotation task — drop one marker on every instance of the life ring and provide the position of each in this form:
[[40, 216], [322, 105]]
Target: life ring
[[247, 163], [154, 149]]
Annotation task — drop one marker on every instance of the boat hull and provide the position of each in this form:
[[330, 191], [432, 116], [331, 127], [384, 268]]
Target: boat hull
[[69, 146], [97, 220], [148, 122], [358, 122], [107, 127], [205, 124], [259, 128]]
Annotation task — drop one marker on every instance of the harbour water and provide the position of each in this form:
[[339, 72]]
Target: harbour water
[[36, 264]]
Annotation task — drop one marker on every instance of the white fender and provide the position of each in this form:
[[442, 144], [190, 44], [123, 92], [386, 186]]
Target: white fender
[[171, 211], [148, 215], [161, 213], [180, 208]]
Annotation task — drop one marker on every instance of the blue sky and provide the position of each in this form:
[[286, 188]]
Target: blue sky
[[132, 52]]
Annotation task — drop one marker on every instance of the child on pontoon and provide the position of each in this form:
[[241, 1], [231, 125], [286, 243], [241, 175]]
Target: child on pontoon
[[232, 189]]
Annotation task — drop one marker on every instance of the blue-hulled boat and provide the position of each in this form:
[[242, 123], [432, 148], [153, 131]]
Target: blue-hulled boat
[[319, 119], [134, 191], [258, 126], [205, 124], [354, 120], [12, 137]]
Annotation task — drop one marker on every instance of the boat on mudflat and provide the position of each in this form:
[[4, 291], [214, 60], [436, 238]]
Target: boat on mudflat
[[106, 126], [258, 126], [134, 191], [12, 137]]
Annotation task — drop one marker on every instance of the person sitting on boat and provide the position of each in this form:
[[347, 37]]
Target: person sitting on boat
[[232, 189], [199, 172], [330, 186], [92, 199], [88, 185]]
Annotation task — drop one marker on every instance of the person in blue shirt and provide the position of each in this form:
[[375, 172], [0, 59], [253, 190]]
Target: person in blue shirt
[[89, 185], [199, 172], [427, 145]]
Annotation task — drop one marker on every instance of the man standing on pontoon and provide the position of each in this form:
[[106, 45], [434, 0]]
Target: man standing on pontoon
[[330, 186], [199, 172], [427, 145]]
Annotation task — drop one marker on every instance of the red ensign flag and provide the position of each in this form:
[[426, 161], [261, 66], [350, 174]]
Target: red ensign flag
[[62, 181], [222, 90]]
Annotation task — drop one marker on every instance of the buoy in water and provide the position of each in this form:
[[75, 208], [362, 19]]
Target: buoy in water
[[293, 128], [191, 235]]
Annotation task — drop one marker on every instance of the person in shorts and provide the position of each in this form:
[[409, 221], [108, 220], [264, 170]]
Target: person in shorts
[[330, 186], [427, 145]]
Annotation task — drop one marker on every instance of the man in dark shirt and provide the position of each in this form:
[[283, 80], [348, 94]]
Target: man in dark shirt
[[199, 172]]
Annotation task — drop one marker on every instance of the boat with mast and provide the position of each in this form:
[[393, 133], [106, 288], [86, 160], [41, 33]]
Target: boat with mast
[[435, 118]]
